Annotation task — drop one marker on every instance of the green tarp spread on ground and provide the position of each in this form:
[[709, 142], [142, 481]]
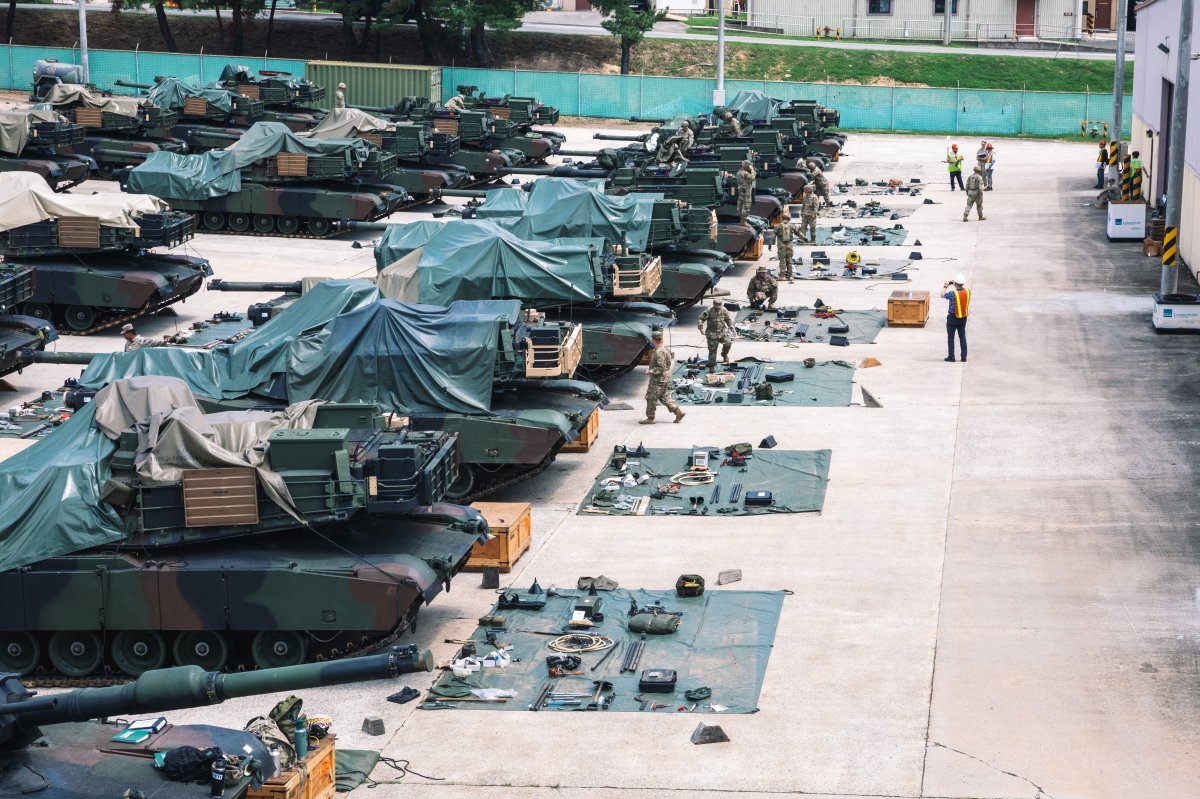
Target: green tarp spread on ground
[[723, 643], [766, 325], [172, 92], [404, 357], [16, 126], [795, 478], [563, 207], [884, 267], [829, 384], [340, 342], [477, 260], [354, 767], [863, 236], [217, 172], [246, 366], [50, 494]]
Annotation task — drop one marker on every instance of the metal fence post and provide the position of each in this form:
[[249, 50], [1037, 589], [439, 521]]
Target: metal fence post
[[579, 93], [957, 103], [11, 84], [137, 64], [200, 64], [893, 122], [641, 95], [1021, 122], [514, 73]]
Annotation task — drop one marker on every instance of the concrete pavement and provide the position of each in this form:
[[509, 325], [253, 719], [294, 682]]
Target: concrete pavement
[[998, 600]]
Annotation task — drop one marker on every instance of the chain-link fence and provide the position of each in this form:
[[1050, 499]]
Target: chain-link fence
[[134, 66], [863, 107]]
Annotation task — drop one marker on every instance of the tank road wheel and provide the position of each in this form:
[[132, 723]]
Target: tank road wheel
[[105, 170], [262, 223], [80, 317], [212, 220], [239, 222], [273, 648], [76, 654], [19, 653], [287, 224], [201, 648], [136, 651], [39, 310], [464, 483], [318, 227]]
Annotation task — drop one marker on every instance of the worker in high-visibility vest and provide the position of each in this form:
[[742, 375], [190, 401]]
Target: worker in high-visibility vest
[[1135, 174], [1101, 164], [956, 316]]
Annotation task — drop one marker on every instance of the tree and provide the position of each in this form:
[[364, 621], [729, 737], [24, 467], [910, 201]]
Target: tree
[[164, 28], [631, 26], [473, 18], [11, 19]]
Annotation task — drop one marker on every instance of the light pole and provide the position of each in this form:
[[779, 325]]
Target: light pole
[[83, 50], [719, 94], [1118, 111], [949, 9]]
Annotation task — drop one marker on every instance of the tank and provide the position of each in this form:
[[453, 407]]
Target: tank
[[48, 744], [36, 141], [524, 112], [250, 539], [119, 131], [272, 182], [286, 98], [92, 255], [483, 164], [476, 368], [407, 142], [20, 336], [485, 127]]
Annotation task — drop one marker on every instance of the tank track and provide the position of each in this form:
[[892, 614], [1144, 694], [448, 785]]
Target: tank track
[[608, 373], [489, 488]]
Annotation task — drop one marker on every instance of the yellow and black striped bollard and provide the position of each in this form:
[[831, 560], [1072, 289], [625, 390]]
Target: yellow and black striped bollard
[[1170, 246], [1127, 178]]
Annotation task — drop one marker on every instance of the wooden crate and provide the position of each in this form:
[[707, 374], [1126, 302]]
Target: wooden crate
[[249, 90], [908, 309], [587, 436], [89, 117], [195, 106], [511, 528], [79, 231], [291, 165], [315, 779]]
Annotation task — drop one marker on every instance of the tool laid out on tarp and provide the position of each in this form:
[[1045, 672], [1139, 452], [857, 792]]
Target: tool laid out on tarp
[[804, 324], [828, 384], [713, 661], [791, 481]]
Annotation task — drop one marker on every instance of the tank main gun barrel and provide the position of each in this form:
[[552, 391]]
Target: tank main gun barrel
[[217, 284], [582, 153], [131, 85], [476, 193], [377, 227], [77, 358], [650, 120], [191, 686], [619, 137], [564, 171]]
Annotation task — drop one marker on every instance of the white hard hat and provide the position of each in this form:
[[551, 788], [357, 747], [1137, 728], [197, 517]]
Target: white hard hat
[[960, 279], [341, 85]]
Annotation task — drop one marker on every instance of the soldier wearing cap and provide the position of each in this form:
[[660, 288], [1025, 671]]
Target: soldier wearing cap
[[135, 342], [339, 97], [762, 289], [717, 327], [784, 233], [745, 190], [456, 103], [659, 389], [677, 146], [735, 127]]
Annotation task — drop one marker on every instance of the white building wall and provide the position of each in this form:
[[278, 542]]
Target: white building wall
[[798, 16], [1158, 23]]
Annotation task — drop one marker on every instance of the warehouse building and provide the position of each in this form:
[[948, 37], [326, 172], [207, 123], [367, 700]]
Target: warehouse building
[[1157, 57], [921, 19]]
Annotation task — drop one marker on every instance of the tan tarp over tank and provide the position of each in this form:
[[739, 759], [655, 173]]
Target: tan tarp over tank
[[16, 127], [347, 123], [26, 199], [400, 281], [66, 94]]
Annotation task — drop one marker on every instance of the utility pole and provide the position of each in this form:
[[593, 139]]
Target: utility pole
[[949, 9], [719, 94], [1118, 107], [1169, 283], [83, 53]]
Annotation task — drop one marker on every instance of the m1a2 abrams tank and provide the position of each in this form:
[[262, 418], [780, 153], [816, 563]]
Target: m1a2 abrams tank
[[20, 336], [484, 127], [49, 746], [91, 254], [119, 131], [286, 98], [228, 540], [272, 182], [31, 140], [407, 142], [208, 118], [524, 112]]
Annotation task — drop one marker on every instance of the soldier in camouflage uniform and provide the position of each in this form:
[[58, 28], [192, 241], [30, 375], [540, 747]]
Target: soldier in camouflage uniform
[[135, 342], [456, 103], [821, 185], [784, 233], [975, 194], [808, 216], [676, 148], [659, 389], [339, 97], [762, 288], [717, 326], [731, 122], [745, 190]]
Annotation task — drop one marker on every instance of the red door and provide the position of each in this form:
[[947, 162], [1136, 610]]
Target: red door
[[1025, 18], [583, 5], [1103, 14]]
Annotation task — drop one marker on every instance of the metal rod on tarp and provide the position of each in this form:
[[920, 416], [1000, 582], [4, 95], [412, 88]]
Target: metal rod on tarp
[[1169, 282]]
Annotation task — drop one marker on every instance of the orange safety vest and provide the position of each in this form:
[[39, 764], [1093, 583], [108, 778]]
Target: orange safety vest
[[962, 303]]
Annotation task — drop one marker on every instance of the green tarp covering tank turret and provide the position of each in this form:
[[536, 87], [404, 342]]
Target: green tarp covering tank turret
[[274, 182], [477, 368], [91, 254], [31, 141], [233, 539]]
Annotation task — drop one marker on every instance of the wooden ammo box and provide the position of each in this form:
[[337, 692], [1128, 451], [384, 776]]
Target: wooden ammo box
[[587, 436], [316, 779], [511, 527], [908, 309]]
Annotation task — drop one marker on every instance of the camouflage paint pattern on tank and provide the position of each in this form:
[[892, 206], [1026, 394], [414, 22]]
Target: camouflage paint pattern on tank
[[20, 336], [61, 172], [111, 154]]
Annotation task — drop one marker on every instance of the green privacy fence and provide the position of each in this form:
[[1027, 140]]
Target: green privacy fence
[[107, 66], [862, 107]]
